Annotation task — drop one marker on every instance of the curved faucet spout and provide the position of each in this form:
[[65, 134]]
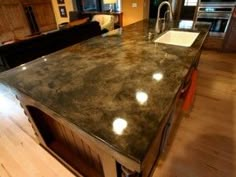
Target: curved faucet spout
[[158, 29]]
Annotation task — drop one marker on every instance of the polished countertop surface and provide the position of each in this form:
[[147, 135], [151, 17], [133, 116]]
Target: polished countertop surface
[[117, 87]]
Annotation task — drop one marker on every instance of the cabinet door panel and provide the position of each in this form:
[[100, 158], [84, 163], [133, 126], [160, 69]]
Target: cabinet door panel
[[14, 15], [5, 30], [3, 22], [230, 43], [13, 20], [44, 16]]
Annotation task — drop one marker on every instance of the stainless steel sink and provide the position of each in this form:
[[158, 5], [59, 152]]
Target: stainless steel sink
[[179, 38]]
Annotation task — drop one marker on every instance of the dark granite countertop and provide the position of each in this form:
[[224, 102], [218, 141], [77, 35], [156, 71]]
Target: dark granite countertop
[[116, 88]]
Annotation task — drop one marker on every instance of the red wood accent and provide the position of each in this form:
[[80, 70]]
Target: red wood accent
[[234, 14], [188, 101]]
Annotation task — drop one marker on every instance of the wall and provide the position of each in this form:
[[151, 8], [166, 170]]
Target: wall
[[130, 14], [134, 14], [69, 7]]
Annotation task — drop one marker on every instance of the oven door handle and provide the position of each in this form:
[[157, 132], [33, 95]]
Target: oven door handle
[[214, 17]]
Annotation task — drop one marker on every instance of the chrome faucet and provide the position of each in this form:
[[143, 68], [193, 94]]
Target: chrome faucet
[[159, 20]]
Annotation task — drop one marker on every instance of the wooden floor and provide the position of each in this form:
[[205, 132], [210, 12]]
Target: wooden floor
[[204, 144]]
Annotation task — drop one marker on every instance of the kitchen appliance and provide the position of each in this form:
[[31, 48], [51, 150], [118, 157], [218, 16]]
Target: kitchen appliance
[[218, 15], [217, 2]]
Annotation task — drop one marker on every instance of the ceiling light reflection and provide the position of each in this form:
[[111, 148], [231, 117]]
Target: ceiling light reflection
[[157, 76], [44, 58], [119, 124], [141, 97]]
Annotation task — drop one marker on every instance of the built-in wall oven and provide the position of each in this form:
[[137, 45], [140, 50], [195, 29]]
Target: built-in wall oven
[[218, 13], [219, 17], [217, 2]]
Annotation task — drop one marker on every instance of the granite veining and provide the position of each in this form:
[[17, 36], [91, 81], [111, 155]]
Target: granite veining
[[123, 76]]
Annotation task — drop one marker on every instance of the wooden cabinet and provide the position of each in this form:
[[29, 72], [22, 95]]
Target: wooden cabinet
[[5, 31], [13, 23], [43, 13], [213, 42], [230, 38], [63, 142]]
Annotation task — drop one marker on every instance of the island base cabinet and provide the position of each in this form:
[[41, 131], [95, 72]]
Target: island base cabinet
[[81, 156], [66, 145], [72, 150]]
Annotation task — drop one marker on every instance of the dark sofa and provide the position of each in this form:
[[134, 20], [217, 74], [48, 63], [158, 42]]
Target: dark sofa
[[23, 51]]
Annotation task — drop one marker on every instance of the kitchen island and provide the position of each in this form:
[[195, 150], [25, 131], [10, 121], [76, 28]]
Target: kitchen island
[[103, 106]]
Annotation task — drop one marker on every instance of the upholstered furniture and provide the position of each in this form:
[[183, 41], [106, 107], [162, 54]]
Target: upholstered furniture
[[78, 22], [74, 15], [19, 52], [106, 22]]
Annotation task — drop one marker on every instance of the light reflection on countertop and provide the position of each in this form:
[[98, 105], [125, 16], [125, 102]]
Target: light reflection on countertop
[[157, 76], [23, 67], [119, 125], [141, 97]]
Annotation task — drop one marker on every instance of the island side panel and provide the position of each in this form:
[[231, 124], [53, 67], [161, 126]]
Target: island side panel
[[71, 148]]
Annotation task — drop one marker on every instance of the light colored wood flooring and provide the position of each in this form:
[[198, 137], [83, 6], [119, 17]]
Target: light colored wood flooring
[[203, 145]]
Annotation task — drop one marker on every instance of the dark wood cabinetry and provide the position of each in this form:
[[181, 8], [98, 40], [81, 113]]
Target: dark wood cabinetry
[[229, 42], [43, 13], [62, 141], [14, 23], [213, 42]]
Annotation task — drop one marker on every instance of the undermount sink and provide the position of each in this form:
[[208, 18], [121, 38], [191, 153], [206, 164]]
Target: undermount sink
[[179, 38]]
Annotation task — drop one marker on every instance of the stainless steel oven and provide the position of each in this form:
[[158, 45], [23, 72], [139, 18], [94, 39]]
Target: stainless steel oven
[[218, 16], [220, 3]]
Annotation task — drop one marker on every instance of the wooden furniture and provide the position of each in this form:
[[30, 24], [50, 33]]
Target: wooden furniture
[[13, 23], [43, 13], [213, 42], [118, 17], [230, 38], [84, 155]]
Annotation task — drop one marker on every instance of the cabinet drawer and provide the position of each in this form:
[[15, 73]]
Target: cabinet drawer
[[213, 43]]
